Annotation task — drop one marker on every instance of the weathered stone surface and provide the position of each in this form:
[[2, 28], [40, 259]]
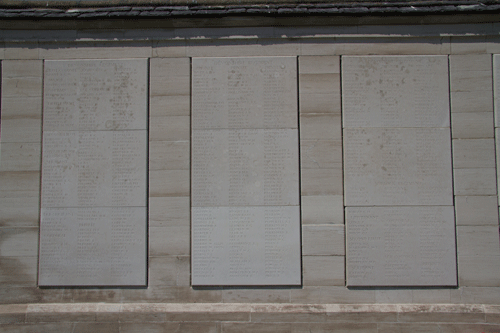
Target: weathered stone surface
[[398, 166], [386, 92], [400, 246]]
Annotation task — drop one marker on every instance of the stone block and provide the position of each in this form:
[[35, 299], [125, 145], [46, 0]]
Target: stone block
[[478, 241], [255, 47], [496, 88], [431, 296], [149, 327], [476, 210], [335, 327], [332, 294], [473, 153], [39, 328], [479, 295], [18, 242], [170, 67], [169, 128], [169, 183], [294, 313], [14, 181], [238, 295], [20, 156], [22, 87], [408, 328], [170, 240], [169, 86], [22, 68], [19, 212], [319, 103], [169, 211], [26, 50], [359, 313], [79, 327], [468, 45], [169, 271], [256, 327], [472, 125], [378, 91], [471, 101], [92, 50], [178, 105], [321, 182], [319, 83], [492, 314], [380, 241], [397, 166], [470, 63], [322, 209], [18, 271], [324, 240], [21, 108], [320, 126], [13, 314], [440, 313], [320, 154], [319, 64], [392, 296], [479, 271], [172, 49], [471, 81], [475, 181], [21, 130], [169, 155], [323, 270]]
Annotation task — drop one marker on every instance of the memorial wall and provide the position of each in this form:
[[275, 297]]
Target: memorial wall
[[303, 180]]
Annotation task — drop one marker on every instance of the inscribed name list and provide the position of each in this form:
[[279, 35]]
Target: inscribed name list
[[244, 176], [398, 171], [94, 173]]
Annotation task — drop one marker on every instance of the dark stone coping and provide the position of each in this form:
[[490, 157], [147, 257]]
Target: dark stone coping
[[275, 10]]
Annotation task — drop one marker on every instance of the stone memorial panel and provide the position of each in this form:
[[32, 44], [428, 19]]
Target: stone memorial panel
[[94, 173], [395, 91], [401, 246], [245, 172], [398, 187], [397, 166]]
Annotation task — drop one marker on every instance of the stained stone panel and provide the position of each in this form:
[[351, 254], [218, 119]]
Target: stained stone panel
[[385, 91], [401, 246], [94, 173], [245, 172], [397, 166]]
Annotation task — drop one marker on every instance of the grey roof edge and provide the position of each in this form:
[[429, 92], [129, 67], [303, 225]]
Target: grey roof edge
[[90, 9]]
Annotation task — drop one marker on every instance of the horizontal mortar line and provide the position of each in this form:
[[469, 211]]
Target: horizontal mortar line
[[96, 130], [244, 206], [93, 207], [394, 127], [374, 206]]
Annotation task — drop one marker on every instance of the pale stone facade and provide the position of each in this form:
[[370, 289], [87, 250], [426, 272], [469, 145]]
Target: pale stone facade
[[323, 302]]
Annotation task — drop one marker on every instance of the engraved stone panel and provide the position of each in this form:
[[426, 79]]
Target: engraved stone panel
[[94, 173], [398, 172], [397, 166], [387, 91], [401, 246], [245, 173]]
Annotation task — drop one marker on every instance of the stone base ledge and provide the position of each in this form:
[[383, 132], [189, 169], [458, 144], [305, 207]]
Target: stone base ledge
[[249, 313]]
